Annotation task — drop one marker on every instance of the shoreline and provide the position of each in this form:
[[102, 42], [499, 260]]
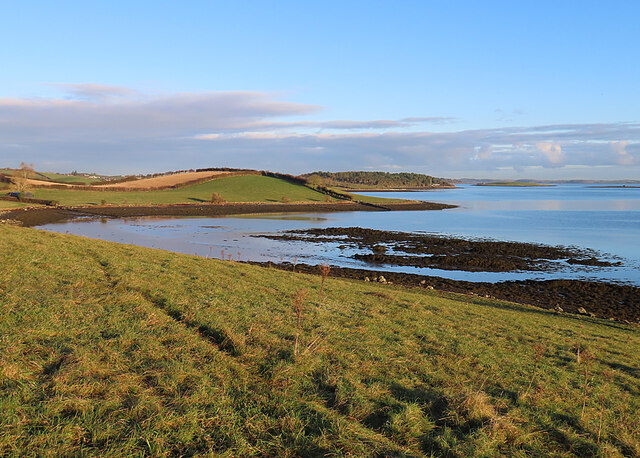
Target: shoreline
[[597, 299], [35, 216], [435, 188]]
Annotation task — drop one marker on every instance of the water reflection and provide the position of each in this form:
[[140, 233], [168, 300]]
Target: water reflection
[[604, 219]]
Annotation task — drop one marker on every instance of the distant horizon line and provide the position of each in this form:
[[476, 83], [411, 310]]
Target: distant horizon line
[[462, 180]]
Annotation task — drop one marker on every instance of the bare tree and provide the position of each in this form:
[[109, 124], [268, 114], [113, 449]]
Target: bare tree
[[21, 177]]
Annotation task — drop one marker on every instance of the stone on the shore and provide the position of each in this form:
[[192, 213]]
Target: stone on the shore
[[582, 311], [381, 279], [379, 249]]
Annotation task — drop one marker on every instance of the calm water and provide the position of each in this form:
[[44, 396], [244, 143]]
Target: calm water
[[603, 219]]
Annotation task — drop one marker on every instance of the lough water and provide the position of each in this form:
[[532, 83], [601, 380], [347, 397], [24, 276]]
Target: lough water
[[603, 219]]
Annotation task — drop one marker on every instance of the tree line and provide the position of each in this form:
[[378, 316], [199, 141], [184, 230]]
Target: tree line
[[376, 179]]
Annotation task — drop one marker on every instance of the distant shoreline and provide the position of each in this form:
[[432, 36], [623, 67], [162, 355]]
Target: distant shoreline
[[432, 188], [623, 186], [35, 216], [514, 184]]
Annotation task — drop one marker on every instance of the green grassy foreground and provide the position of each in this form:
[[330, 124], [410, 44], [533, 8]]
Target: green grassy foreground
[[121, 350], [245, 188]]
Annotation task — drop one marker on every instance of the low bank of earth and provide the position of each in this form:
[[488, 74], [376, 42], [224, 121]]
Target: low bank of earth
[[34, 216], [111, 349]]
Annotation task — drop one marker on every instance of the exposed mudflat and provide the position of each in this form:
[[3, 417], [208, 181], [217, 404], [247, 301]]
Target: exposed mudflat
[[448, 253], [36, 216], [602, 300]]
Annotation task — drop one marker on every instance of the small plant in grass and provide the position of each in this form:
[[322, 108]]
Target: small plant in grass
[[103, 202], [298, 309], [585, 358], [217, 198], [539, 350], [602, 400], [324, 271], [285, 199]]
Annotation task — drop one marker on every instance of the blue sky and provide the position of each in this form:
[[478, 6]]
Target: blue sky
[[485, 89]]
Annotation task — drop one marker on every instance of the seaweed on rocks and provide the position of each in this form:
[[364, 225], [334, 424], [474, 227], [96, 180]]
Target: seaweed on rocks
[[448, 253]]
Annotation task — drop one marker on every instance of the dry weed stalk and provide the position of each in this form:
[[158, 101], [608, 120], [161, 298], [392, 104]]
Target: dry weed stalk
[[298, 308], [608, 376], [585, 358], [539, 350], [324, 271]]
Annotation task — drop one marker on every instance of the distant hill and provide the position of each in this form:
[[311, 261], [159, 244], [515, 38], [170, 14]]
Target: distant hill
[[376, 180], [514, 184]]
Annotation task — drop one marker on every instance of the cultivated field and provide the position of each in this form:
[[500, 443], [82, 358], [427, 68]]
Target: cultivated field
[[110, 349], [165, 180], [244, 188]]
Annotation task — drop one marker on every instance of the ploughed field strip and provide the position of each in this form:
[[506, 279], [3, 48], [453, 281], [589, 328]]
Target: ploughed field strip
[[117, 350]]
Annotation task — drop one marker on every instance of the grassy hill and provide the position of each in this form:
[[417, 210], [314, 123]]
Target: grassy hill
[[58, 177], [246, 188], [120, 350]]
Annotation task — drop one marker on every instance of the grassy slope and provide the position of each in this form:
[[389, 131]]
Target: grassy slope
[[9, 204], [248, 188], [114, 349], [55, 176]]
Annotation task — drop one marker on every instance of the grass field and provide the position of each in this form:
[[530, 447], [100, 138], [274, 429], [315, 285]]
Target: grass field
[[71, 179], [9, 204], [165, 181], [247, 188], [121, 350]]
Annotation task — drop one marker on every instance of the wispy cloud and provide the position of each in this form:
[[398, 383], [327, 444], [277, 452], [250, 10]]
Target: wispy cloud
[[117, 129], [91, 91]]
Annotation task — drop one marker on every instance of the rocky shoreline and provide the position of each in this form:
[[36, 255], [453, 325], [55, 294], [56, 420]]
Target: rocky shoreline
[[588, 298], [445, 252]]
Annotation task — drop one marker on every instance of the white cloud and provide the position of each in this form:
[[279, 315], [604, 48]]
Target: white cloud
[[115, 129], [552, 152], [620, 154]]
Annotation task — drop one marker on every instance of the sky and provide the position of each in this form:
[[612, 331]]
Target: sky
[[531, 89]]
